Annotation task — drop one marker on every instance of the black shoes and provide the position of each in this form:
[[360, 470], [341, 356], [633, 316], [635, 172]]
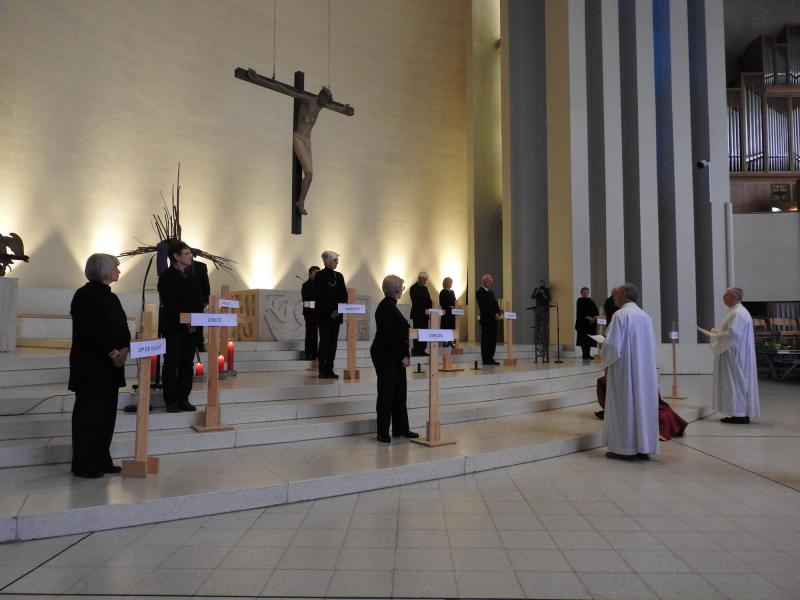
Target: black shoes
[[384, 439], [491, 362], [736, 420], [600, 414], [408, 434], [328, 375], [188, 407], [420, 354], [113, 469], [616, 456], [88, 474], [173, 408], [643, 456]]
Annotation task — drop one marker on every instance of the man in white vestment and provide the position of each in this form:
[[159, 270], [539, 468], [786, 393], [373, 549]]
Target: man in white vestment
[[735, 377], [629, 353]]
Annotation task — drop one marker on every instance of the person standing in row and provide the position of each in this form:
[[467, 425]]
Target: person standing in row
[[307, 294], [200, 271], [100, 344], [541, 310], [586, 322], [389, 353], [179, 291], [447, 300], [329, 292], [609, 308], [489, 311], [420, 303]]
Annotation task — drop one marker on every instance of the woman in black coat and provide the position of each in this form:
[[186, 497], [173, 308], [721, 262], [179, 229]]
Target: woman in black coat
[[389, 352], [100, 341], [447, 300], [586, 322]]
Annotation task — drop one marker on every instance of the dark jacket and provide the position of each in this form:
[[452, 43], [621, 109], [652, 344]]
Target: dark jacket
[[609, 308], [200, 271], [420, 301], [307, 293], [585, 307], [447, 300], [541, 297], [329, 291], [487, 305], [178, 292], [99, 326], [391, 331]]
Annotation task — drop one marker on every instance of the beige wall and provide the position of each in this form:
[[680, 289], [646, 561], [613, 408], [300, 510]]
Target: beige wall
[[100, 99]]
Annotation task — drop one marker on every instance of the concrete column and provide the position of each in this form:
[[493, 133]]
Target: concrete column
[[640, 183]]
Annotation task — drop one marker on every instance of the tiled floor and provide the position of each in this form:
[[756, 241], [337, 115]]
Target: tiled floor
[[714, 516]]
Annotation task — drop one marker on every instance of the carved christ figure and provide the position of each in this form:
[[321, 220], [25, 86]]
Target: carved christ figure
[[310, 107]]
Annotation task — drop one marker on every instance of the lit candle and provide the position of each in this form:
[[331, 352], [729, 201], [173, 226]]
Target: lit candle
[[198, 369], [221, 363], [153, 361], [230, 355]]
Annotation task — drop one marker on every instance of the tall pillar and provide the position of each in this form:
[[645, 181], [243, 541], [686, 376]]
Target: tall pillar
[[639, 182], [674, 147]]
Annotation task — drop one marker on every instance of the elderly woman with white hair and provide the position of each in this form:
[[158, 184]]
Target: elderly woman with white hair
[[100, 342], [329, 291], [389, 352]]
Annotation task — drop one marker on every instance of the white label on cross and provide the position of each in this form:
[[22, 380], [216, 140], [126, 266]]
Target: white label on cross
[[457, 311], [435, 311], [214, 319], [144, 348], [673, 335], [351, 309], [228, 303], [309, 304], [511, 316], [435, 335], [601, 321]]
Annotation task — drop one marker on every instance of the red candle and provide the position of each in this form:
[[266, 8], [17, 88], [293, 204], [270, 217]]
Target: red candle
[[230, 355], [198, 369], [153, 360], [221, 363]]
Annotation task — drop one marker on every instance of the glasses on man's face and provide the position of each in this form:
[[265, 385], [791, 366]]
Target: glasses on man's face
[[186, 253]]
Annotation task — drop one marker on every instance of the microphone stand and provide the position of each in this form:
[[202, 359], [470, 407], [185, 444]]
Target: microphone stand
[[558, 336]]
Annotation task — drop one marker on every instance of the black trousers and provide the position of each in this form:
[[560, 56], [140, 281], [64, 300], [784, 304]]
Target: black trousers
[[328, 338], [178, 372], [391, 403], [418, 347], [311, 337], [93, 419], [488, 340]]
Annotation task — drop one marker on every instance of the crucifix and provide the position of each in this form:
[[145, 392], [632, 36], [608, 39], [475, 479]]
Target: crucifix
[[307, 107]]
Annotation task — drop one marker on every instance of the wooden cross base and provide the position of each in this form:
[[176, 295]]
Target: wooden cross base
[[352, 375], [447, 364], [675, 395], [211, 422], [510, 362], [457, 350], [432, 440], [140, 468]]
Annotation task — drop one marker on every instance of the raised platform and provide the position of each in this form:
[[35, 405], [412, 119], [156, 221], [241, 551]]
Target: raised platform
[[295, 438]]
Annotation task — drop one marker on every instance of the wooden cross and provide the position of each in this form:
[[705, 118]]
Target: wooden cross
[[457, 349], [598, 358], [447, 359], [433, 433], [211, 416], [351, 372], [509, 361], [300, 96], [142, 465], [676, 393]]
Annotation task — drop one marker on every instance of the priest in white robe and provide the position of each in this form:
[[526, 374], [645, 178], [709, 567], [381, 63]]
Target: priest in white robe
[[735, 389], [629, 353]]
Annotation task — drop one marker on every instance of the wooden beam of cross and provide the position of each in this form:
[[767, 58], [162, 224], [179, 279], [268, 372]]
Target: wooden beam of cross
[[307, 107], [433, 432]]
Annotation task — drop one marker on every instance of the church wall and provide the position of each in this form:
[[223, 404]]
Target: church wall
[[766, 250], [102, 98]]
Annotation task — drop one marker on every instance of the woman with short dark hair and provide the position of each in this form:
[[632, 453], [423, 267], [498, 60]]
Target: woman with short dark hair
[[100, 341]]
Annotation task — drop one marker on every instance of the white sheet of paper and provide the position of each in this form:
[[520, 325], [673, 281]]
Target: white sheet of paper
[[601, 321], [435, 311], [228, 303], [510, 316], [457, 311], [701, 330], [600, 339], [214, 319], [144, 348], [435, 335], [351, 309], [673, 335]]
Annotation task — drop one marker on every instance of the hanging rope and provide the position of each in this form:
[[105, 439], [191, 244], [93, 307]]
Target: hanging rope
[[274, 35], [329, 44]]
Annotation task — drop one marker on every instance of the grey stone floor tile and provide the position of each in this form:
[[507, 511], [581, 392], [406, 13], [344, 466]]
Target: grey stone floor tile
[[319, 538], [493, 584], [242, 519], [9, 574], [527, 539], [480, 559], [49, 580], [322, 559], [686, 540], [596, 561], [423, 559], [421, 507], [165, 536], [558, 522], [616, 586], [632, 540], [746, 586], [664, 523], [196, 557], [579, 540], [235, 582], [141, 556], [110, 580], [28, 554], [589, 508], [371, 538], [424, 584], [293, 583], [421, 522], [262, 558], [215, 537], [173, 581], [517, 522], [553, 585], [361, 584], [613, 523], [654, 561], [788, 582], [469, 521], [474, 539], [262, 537], [712, 561], [786, 541], [373, 521], [85, 556], [115, 536], [528, 559], [474, 507], [378, 559], [326, 521], [509, 508], [339, 504], [278, 520], [554, 509], [420, 538], [768, 562], [681, 586]]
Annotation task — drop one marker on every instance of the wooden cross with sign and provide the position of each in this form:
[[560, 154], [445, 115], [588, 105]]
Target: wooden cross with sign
[[433, 433], [307, 107], [509, 317], [674, 336], [447, 359], [352, 310], [214, 321], [142, 349]]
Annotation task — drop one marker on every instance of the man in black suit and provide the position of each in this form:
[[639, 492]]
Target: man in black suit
[[200, 271], [420, 302], [489, 311], [329, 291], [179, 292], [307, 293], [609, 308]]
